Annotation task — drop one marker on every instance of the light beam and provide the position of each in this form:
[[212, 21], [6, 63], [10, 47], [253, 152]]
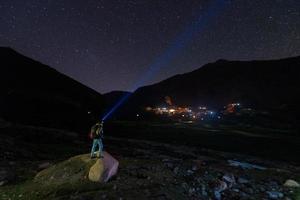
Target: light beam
[[178, 44]]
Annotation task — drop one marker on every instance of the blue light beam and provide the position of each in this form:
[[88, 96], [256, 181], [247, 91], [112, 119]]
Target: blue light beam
[[178, 44]]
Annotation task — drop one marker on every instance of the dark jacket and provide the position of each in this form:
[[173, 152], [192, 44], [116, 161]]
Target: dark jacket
[[97, 131]]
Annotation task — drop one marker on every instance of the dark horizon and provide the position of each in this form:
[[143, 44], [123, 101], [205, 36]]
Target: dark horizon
[[221, 59]]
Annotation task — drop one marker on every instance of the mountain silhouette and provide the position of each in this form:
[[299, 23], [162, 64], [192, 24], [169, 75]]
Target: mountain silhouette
[[33, 93], [267, 85]]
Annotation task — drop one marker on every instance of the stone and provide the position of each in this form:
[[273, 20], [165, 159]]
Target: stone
[[115, 187], [189, 172], [236, 190], [96, 171], [291, 183], [191, 191], [242, 180], [103, 169], [170, 165], [2, 183], [6, 176], [78, 168], [176, 170], [245, 165], [229, 178], [275, 195]]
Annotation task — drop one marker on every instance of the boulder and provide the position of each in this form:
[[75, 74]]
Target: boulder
[[79, 168], [6, 176], [103, 169], [291, 183]]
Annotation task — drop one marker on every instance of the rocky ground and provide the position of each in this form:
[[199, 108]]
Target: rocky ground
[[151, 170]]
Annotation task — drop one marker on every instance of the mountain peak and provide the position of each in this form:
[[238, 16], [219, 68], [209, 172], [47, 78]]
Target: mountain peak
[[222, 61]]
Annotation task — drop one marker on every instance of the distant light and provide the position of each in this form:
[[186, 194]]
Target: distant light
[[137, 115], [89, 112], [219, 117], [148, 108], [172, 110]]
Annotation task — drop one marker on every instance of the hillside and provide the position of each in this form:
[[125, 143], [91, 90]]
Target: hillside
[[264, 85], [33, 93]]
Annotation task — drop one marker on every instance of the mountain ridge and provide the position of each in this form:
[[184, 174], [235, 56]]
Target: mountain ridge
[[266, 84], [34, 93]]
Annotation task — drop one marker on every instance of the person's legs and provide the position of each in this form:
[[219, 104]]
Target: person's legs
[[100, 144], [93, 148]]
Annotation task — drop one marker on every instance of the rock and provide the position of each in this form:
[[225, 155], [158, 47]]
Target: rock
[[236, 190], [96, 171], [115, 187], [6, 176], [176, 170], [203, 191], [218, 195], [191, 191], [291, 183], [261, 188], [221, 186], [78, 168], [245, 165], [249, 190], [242, 180], [185, 186], [104, 168], [2, 183], [11, 163], [275, 195], [169, 165], [229, 178], [189, 172]]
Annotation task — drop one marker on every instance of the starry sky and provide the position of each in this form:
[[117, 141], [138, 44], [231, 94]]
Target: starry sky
[[109, 44]]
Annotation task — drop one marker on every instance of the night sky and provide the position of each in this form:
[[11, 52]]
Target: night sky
[[109, 44]]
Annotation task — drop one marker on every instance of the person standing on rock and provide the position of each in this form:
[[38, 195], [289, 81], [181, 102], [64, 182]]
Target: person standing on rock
[[97, 134]]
